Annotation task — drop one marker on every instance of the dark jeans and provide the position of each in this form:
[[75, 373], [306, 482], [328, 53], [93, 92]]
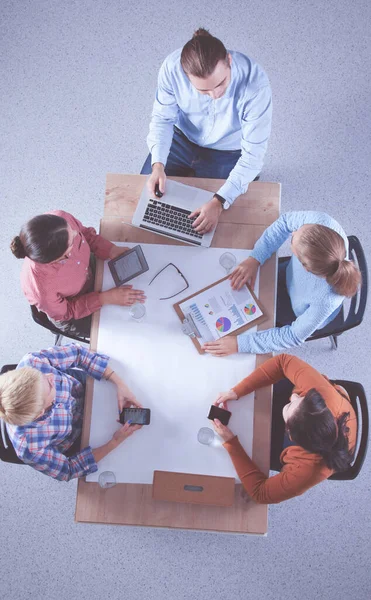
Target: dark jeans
[[279, 438], [186, 159], [79, 327], [80, 375]]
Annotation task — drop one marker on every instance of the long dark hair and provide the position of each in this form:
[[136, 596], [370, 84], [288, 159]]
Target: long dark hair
[[314, 428], [42, 239], [202, 53]]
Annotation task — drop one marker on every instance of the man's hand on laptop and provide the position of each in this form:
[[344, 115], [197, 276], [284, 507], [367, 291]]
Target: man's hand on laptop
[[158, 176], [207, 216]]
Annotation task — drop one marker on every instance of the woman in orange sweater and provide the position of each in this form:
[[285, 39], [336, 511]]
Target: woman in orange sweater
[[320, 436]]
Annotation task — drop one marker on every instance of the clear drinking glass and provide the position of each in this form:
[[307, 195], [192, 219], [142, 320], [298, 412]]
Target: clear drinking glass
[[137, 312], [107, 479], [228, 261], [206, 436]]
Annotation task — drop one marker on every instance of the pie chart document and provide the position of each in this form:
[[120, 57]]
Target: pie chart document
[[160, 365]]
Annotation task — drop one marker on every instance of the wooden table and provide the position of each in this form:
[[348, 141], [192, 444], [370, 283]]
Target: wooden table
[[239, 227]]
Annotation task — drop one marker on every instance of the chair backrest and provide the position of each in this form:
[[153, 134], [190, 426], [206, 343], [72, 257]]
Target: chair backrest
[[358, 302], [358, 400], [8, 454], [42, 319]]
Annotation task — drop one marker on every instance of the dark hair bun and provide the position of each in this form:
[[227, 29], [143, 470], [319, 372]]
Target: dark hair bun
[[201, 32], [17, 247]]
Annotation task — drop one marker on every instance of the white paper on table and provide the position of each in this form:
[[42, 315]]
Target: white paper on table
[[164, 370]]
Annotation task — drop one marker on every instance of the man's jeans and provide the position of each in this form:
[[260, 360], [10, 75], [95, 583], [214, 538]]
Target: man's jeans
[[186, 159]]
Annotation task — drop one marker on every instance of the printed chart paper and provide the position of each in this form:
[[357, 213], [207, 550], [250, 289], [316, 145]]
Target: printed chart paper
[[159, 364], [221, 310]]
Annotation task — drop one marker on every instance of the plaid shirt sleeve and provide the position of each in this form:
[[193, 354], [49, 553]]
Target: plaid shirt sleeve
[[55, 464], [67, 357]]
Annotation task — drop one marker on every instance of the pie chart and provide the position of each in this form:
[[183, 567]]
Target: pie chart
[[250, 309], [223, 324]]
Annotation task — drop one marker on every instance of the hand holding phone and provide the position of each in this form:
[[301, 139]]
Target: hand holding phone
[[224, 397], [219, 413]]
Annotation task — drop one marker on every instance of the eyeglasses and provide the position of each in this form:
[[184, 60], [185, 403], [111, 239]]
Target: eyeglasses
[[180, 273]]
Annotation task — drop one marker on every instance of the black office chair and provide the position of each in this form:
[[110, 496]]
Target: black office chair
[[283, 390], [42, 319], [8, 454], [357, 306], [358, 400]]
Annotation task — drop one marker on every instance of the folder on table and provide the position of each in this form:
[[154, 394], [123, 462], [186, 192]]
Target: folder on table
[[193, 489]]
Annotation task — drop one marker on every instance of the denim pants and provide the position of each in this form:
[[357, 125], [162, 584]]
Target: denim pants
[[81, 376], [187, 159]]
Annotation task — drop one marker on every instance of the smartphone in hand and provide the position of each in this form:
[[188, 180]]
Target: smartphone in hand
[[219, 413], [137, 416]]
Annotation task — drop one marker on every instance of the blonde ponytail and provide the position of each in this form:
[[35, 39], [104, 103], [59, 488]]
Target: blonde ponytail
[[346, 279], [321, 251], [21, 396]]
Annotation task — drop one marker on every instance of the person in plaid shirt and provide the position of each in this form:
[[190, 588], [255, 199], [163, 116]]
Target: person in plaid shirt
[[42, 403]]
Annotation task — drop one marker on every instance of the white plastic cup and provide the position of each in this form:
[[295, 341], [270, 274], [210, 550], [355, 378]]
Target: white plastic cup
[[107, 480], [137, 312], [228, 261]]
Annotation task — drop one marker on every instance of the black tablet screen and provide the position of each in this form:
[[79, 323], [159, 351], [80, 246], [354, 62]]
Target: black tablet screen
[[128, 266]]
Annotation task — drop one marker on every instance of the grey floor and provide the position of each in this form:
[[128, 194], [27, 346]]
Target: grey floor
[[78, 79]]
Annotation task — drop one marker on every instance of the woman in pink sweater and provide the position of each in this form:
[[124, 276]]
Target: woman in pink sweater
[[58, 272]]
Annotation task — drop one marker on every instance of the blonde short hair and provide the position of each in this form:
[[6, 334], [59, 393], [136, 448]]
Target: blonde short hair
[[21, 396]]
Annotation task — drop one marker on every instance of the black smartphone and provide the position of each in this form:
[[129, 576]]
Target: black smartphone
[[137, 416], [219, 413]]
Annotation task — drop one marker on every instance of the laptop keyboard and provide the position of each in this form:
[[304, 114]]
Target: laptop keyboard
[[170, 217]]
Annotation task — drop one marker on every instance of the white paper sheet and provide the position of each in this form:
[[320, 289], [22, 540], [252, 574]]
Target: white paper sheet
[[162, 367]]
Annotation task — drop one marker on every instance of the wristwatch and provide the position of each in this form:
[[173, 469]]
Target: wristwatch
[[220, 198]]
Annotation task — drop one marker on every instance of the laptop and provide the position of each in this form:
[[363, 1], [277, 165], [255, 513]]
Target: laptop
[[169, 215]]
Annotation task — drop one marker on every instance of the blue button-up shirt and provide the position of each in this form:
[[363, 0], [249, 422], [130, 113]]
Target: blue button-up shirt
[[42, 444], [239, 120]]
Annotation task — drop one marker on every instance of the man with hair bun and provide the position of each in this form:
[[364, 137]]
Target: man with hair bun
[[211, 118]]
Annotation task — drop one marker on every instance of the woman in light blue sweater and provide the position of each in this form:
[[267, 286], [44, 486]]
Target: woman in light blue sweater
[[317, 279]]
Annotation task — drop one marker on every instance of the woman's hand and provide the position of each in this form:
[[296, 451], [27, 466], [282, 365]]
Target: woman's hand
[[124, 432], [246, 272], [125, 397], [122, 296], [225, 433], [224, 397], [117, 250], [224, 347]]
